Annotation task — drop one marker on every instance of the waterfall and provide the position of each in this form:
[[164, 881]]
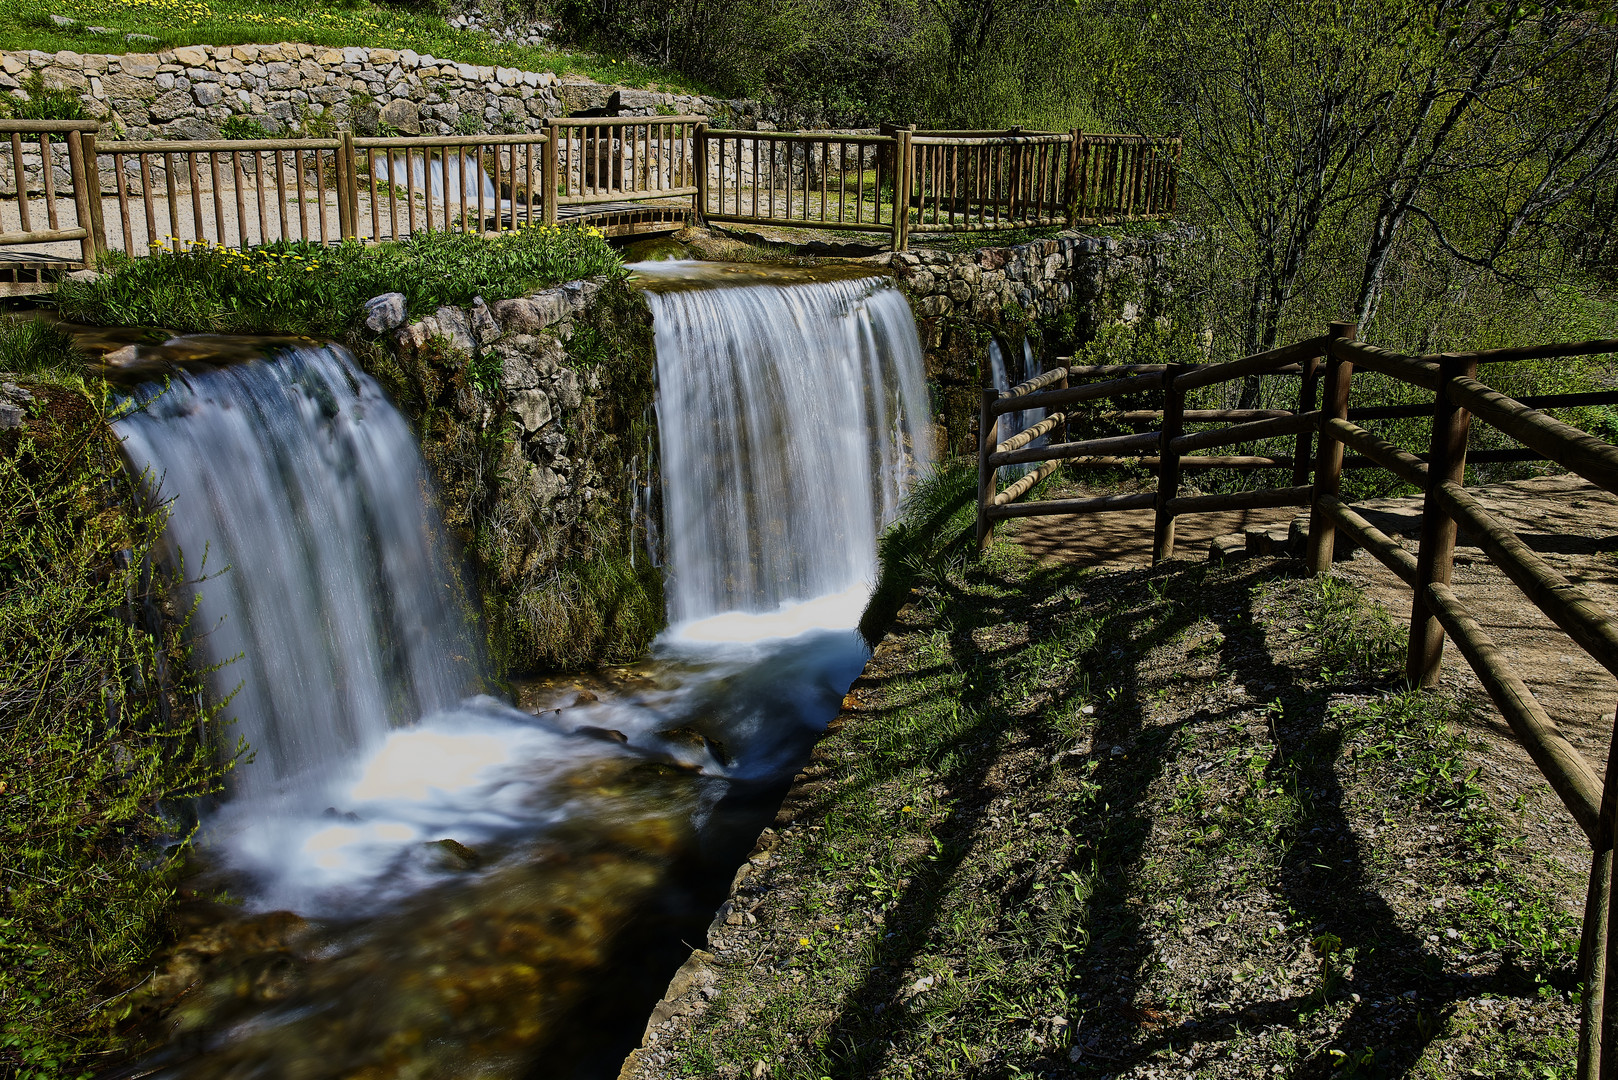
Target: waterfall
[[298, 492], [430, 180], [1014, 422], [790, 419]]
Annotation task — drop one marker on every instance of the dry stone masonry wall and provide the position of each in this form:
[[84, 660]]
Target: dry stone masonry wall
[[289, 88], [1061, 294]]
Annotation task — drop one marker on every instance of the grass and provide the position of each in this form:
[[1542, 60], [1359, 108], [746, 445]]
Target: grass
[[297, 287], [34, 348], [26, 25], [1085, 824], [102, 744]]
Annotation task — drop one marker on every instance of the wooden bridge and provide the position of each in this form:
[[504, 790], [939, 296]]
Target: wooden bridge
[[626, 176], [1314, 438]]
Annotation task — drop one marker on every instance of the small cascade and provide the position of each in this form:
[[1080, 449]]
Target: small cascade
[[430, 178], [1013, 422], [791, 418], [297, 492]]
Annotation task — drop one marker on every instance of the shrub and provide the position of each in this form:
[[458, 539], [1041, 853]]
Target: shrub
[[295, 287], [102, 742], [44, 103], [243, 127]]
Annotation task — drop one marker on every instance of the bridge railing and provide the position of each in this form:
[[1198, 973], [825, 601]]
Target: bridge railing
[[626, 171], [1322, 433], [46, 156]]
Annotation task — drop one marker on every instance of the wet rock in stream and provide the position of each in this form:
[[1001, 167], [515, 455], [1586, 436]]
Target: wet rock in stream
[[474, 977]]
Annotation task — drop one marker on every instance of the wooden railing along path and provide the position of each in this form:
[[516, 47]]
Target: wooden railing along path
[[143, 196], [1321, 433]]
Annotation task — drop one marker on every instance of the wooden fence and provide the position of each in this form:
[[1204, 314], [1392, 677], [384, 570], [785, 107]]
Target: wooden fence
[[238, 193], [1321, 434]]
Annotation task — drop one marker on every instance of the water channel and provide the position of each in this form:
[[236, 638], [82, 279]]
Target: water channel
[[431, 875]]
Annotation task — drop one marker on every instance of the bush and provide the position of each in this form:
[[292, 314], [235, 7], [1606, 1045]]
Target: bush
[[304, 288], [44, 103], [242, 127], [932, 533], [102, 741]]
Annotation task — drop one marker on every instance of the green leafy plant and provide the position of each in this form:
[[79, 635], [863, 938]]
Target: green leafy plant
[[44, 102]]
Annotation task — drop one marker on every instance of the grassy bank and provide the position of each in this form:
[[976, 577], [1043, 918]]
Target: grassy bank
[[1140, 823], [101, 739], [165, 24], [307, 288]]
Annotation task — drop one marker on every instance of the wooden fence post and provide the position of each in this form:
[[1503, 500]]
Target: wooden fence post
[[92, 179], [699, 161], [903, 170], [81, 199], [1301, 452], [547, 173], [1168, 468], [1329, 453], [351, 158], [988, 437], [1070, 197], [1435, 558], [1595, 941]]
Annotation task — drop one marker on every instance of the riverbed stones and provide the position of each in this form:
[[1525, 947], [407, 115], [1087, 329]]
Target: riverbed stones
[[385, 312]]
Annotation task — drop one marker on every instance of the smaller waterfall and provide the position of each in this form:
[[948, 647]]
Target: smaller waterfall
[[1013, 422], [302, 479], [429, 178]]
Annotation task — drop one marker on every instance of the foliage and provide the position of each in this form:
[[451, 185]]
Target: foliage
[[294, 287], [931, 533], [35, 347], [26, 24], [44, 102], [242, 127], [101, 737]]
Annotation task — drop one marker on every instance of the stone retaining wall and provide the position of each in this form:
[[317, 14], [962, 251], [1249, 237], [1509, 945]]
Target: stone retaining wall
[[1059, 294], [289, 88]]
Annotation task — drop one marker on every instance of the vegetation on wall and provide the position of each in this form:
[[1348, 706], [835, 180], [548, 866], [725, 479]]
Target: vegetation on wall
[[103, 741], [300, 287]]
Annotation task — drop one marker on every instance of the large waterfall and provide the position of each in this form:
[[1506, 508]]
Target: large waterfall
[[297, 493], [790, 417]]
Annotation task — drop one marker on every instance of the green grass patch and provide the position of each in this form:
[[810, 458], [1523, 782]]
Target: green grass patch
[[296, 287], [102, 740], [1084, 824], [422, 28]]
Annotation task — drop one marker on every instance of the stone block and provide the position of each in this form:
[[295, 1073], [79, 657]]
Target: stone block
[[60, 78], [207, 94], [355, 54], [453, 324], [171, 105], [385, 312], [244, 54], [191, 55], [484, 327], [507, 76], [330, 57], [409, 59], [531, 408], [403, 115], [930, 306]]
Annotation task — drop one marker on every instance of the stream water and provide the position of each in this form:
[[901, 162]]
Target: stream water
[[426, 880]]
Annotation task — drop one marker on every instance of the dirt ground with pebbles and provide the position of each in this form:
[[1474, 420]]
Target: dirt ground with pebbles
[[1124, 821]]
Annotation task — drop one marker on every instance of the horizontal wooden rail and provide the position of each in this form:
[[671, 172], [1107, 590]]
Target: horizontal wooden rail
[[1024, 484], [1584, 619], [404, 142], [1047, 399], [1401, 463], [209, 146], [1569, 774], [43, 236], [1574, 450], [1112, 444], [1250, 365], [1248, 432], [1091, 370], [1386, 549], [1198, 416], [1533, 401], [1038, 382], [1240, 500], [1104, 504], [622, 121], [1420, 372], [1023, 438], [37, 127]]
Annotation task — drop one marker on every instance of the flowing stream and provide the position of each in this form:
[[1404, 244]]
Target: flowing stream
[[424, 878]]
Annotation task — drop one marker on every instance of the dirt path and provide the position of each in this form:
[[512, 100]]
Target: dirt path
[[1570, 523]]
